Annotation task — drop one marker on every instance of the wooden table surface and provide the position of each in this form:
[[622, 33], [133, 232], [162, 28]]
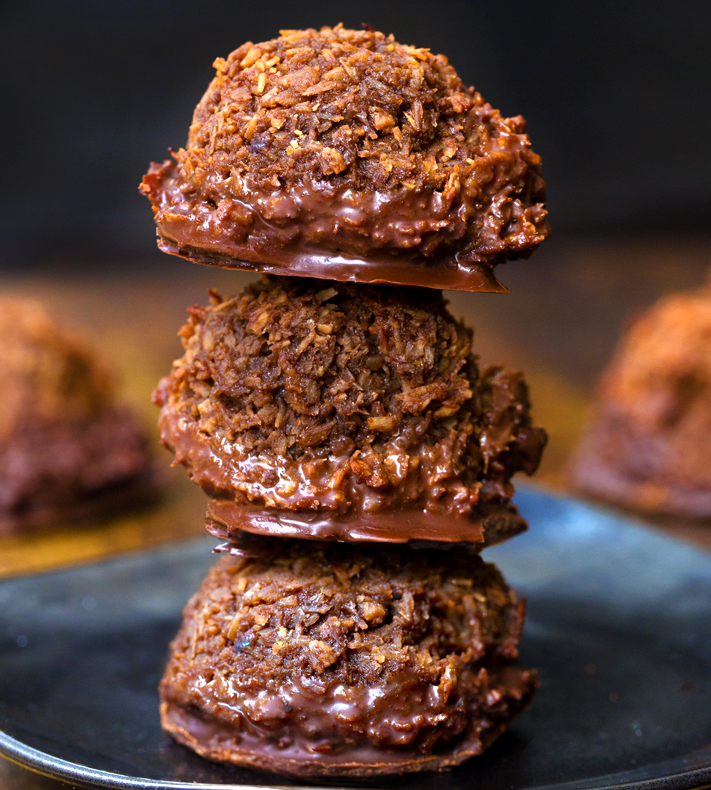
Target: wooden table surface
[[559, 324]]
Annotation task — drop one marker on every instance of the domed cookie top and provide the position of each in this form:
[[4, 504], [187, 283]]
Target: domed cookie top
[[349, 412], [344, 155]]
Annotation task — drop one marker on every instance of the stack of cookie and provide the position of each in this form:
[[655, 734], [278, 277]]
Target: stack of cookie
[[356, 458]]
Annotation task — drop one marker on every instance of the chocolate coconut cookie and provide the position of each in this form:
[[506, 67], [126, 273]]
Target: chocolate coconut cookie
[[345, 155], [646, 446], [316, 659], [67, 449], [328, 410]]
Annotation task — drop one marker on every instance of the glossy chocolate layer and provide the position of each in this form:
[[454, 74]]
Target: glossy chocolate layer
[[315, 231], [291, 753], [357, 513], [493, 525], [328, 659]]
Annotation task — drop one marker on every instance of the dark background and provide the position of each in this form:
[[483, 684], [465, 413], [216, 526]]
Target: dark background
[[616, 93]]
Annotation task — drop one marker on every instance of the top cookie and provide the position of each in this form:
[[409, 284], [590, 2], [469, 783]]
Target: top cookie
[[344, 155]]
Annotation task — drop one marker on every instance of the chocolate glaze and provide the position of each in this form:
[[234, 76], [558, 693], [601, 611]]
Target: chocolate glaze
[[361, 514], [316, 230], [292, 752], [491, 524]]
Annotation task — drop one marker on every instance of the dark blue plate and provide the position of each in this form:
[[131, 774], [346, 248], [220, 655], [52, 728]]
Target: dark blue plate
[[619, 627]]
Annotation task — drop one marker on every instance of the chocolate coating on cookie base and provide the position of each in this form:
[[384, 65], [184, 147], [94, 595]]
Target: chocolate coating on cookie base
[[203, 233], [236, 484], [224, 744], [494, 524]]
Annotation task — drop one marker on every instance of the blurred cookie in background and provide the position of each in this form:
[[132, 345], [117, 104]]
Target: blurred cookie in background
[[646, 446], [68, 448]]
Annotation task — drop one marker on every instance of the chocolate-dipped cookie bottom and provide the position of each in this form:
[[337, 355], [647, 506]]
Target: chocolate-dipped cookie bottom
[[487, 527]]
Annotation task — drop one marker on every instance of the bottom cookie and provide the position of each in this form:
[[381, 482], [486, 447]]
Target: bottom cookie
[[317, 659]]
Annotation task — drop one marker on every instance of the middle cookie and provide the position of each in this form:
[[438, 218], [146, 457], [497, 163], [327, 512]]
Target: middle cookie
[[332, 411]]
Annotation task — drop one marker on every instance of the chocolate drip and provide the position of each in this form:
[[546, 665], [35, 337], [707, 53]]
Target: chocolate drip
[[292, 752], [316, 230], [489, 525]]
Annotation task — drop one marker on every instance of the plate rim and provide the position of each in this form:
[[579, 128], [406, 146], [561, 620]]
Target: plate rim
[[64, 770], [58, 768]]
